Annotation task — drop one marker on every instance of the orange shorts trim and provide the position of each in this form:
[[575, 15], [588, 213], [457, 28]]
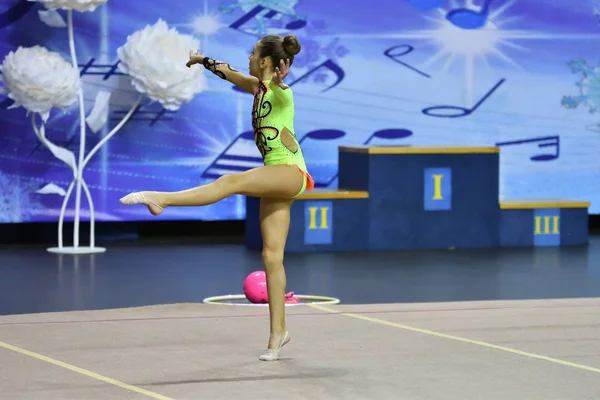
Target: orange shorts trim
[[309, 182]]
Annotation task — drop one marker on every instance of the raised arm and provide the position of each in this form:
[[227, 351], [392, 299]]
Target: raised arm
[[280, 89], [224, 71]]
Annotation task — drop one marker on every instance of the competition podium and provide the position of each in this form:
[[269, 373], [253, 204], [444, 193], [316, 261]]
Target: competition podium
[[405, 198]]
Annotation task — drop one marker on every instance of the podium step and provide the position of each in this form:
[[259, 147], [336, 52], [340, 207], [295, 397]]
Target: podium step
[[518, 204], [328, 194], [543, 222], [427, 197], [320, 220], [420, 150]]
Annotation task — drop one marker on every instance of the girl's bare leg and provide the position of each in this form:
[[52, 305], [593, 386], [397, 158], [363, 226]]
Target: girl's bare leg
[[274, 225], [276, 185], [278, 181]]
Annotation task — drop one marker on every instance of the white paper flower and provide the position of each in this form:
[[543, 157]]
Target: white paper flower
[[38, 79], [155, 58], [77, 5]]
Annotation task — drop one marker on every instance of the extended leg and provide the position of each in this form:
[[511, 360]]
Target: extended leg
[[280, 181], [274, 225]]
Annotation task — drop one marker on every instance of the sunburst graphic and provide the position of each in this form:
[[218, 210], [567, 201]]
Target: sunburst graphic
[[471, 35], [204, 24]]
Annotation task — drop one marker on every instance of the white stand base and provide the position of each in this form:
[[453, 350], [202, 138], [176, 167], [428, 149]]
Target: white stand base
[[76, 250]]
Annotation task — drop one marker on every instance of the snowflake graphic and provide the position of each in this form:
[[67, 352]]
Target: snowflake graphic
[[589, 87], [314, 51], [16, 201], [596, 7], [283, 8]]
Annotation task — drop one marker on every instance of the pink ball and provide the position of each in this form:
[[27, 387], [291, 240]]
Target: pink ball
[[255, 287]]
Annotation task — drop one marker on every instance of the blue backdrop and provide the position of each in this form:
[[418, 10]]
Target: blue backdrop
[[520, 74]]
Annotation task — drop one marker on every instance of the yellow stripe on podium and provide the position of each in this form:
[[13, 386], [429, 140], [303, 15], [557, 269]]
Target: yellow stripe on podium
[[420, 150], [519, 204], [329, 194]]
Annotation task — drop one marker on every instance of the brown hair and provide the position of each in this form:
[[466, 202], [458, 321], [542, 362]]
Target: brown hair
[[279, 48]]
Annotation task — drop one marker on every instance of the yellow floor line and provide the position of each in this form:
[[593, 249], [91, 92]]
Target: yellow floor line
[[459, 339], [84, 372]]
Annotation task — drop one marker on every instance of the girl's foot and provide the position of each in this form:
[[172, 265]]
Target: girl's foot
[[149, 199], [273, 354]]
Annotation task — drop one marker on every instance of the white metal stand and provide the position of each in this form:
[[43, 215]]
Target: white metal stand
[[78, 183], [76, 250]]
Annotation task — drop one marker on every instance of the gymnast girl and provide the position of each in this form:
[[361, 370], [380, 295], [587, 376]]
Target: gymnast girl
[[283, 177]]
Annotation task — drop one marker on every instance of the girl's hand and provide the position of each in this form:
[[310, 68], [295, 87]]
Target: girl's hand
[[195, 58], [280, 73]]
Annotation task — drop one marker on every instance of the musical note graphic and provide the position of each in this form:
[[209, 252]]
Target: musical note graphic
[[426, 5], [462, 111], [268, 13], [408, 50], [546, 141], [467, 18], [15, 13], [238, 155], [330, 65], [110, 69], [386, 135], [389, 134], [152, 116], [464, 18], [324, 134]]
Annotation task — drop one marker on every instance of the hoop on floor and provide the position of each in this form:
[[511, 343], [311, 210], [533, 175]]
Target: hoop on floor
[[240, 300]]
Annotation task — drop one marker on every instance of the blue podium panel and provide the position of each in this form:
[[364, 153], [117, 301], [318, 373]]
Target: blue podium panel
[[320, 220], [546, 227], [438, 189], [540, 222], [426, 197]]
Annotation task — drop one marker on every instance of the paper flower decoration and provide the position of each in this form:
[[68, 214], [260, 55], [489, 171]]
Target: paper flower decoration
[[38, 79], [155, 57], [77, 5]]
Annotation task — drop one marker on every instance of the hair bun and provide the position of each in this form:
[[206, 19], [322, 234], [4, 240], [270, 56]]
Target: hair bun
[[291, 45]]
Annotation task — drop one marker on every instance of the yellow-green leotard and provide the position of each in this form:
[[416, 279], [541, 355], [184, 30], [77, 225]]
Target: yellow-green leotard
[[272, 113]]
